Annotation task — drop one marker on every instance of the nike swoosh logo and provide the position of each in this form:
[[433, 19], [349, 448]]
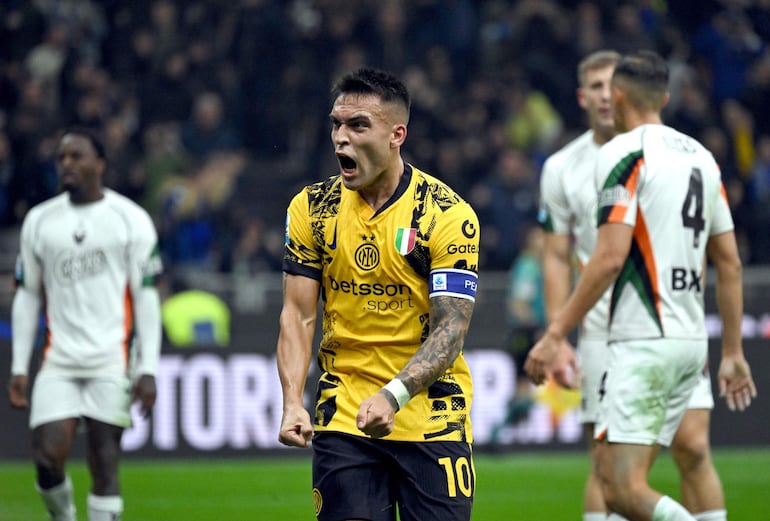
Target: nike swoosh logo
[[333, 245]]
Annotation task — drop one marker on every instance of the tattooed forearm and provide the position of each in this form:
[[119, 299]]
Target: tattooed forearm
[[449, 321]]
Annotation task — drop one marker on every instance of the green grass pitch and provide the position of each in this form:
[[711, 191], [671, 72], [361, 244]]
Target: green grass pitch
[[523, 485]]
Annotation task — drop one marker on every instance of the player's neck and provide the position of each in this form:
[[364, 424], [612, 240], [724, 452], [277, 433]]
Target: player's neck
[[380, 193], [635, 119], [602, 135], [86, 197]]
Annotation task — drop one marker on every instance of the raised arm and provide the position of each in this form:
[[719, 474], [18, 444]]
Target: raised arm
[[294, 353]]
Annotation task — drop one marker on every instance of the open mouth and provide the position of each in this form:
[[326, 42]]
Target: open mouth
[[346, 163], [66, 177]]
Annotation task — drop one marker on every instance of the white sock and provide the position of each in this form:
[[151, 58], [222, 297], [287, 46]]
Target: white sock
[[711, 515], [594, 516], [615, 517], [58, 500], [666, 509], [104, 508]]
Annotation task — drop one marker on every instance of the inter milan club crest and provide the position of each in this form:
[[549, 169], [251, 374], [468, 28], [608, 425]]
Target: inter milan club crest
[[367, 256], [405, 240]]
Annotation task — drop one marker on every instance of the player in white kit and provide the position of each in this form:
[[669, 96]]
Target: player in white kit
[[89, 257], [568, 211], [661, 208]]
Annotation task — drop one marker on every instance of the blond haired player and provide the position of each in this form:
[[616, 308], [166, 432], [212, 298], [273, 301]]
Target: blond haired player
[[569, 211], [652, 257]]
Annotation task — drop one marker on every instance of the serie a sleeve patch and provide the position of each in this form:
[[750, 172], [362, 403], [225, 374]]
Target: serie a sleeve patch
[[453, 283]]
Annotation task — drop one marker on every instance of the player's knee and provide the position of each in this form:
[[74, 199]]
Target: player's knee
[[48, 475], [691, 452], [104, 454], [623, 498], [613, 499], [49, 461], [610, 490], [621, 490]]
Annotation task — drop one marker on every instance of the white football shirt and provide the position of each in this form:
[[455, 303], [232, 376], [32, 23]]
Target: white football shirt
[[87, 260], [668, 187], [568, 206]]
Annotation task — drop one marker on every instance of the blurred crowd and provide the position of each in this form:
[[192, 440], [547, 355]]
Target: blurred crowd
[[215, 113]]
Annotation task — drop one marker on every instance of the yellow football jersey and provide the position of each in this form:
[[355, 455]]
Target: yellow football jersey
[[377, 272]]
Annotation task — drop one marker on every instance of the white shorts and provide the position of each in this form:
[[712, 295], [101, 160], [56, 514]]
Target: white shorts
[[648, 388], [702, 397], [58, 396], [593, 356]]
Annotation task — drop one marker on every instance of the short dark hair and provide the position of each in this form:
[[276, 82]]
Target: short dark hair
[[90, 135], [367, 80], [596, 60], [646, 73]]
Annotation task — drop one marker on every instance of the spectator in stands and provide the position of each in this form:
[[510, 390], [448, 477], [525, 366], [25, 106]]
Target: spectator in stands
[[729, 45], [760, 194], [165, 97], [270, 62], [207, 131], [506, 203]]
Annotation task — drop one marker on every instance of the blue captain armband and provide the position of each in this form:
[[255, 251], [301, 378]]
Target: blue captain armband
[[452, 282]]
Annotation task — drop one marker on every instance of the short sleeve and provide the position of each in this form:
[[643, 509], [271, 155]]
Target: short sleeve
[[301, 257], [454, 247], [554, 214], [723, 219], [619, 175]]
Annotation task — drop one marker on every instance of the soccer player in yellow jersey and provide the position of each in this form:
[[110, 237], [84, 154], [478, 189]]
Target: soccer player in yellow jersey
[[392, 253]]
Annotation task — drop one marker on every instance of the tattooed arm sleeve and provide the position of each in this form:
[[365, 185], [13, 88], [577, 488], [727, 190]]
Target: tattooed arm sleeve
[[450, 318]]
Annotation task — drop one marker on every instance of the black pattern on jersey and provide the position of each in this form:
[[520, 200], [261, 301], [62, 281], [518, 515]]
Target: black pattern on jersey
[[324, 204], [425, 323], [426, 196], [323, 199], [448, 413], [325, 411], [449, 407], [635, 274]]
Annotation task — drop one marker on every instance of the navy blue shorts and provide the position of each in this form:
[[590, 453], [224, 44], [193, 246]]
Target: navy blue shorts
[[363, 478]]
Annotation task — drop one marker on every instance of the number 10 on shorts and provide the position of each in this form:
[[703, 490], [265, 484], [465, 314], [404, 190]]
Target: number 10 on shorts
[[459, 475]]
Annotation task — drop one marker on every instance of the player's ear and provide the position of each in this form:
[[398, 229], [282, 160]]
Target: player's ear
[[617, 94], [581, 99], [101, 167], [666, 97], [398, 135]]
